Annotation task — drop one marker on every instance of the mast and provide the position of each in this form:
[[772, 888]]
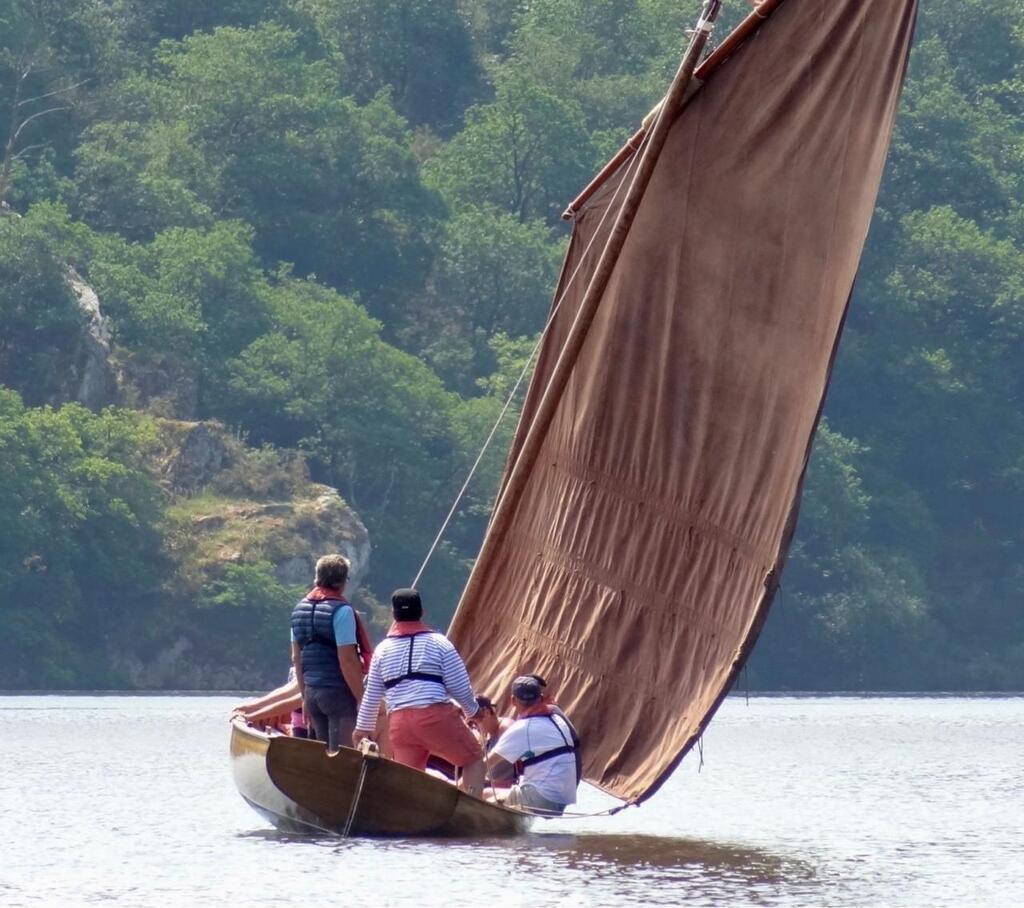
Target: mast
[[715, 59], [504, 509]]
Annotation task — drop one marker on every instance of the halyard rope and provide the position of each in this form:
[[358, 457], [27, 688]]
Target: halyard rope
[[526, 368], [568, 815]]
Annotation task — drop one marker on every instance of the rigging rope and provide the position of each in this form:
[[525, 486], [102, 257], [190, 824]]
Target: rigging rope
[[529, 360], [555, 815], [356, 799]]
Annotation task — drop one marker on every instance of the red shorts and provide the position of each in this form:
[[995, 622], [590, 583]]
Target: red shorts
[[437, 729]]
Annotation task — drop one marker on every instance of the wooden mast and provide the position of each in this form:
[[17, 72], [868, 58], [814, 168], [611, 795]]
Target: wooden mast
[[504, 509], [715, 59]]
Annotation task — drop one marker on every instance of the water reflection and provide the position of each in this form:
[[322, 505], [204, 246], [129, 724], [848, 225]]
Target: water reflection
[[635, 850], [632, 868], [658, 869], [587, 851]]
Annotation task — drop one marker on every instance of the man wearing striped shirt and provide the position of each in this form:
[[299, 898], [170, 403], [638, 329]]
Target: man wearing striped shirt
[[418, 672]]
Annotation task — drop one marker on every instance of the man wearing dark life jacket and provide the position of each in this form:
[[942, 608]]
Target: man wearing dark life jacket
[[542, 747], [417, 672], [330, 650]]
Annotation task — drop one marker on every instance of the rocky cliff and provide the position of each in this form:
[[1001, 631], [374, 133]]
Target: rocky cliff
[[244, 528], [94, 376]]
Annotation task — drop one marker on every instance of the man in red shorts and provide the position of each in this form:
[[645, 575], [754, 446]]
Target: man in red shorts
[[418, 672]]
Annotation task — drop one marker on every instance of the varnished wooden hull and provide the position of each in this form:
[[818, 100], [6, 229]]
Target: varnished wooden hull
[[295, 785]]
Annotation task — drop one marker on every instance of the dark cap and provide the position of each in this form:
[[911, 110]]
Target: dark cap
[[406, 605], [526, 689], [485, 703]]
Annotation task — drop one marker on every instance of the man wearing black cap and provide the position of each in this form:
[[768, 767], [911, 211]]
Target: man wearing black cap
[[542, 746], [418, 672]]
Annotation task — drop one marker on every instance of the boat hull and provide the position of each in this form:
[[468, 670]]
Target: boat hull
[[298, 787]]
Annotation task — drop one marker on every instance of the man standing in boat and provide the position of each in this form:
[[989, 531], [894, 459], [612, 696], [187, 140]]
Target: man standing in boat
[[418, 672], [327, 637], [543, 749]]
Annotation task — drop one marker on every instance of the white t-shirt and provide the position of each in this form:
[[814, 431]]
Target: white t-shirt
[[555, 779]]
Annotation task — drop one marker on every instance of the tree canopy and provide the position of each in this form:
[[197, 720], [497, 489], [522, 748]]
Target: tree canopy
[[334, 227]]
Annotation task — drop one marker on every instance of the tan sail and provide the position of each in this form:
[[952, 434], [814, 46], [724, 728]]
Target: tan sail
[[634, 559]]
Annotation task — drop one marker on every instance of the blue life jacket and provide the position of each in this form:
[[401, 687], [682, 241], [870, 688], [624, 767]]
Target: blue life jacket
[[313, 630]]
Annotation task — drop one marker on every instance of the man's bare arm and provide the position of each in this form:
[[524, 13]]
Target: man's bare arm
[[297, 664], [498, 767]]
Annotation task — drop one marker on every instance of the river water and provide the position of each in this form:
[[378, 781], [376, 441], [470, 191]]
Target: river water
[[801, 801]]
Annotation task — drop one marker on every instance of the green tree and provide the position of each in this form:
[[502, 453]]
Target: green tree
[[79, 536], [374, 421], [196, 295], [473, 420], [848, 610], [417, 51], [242, 611], [267, 137], [42, 321], [38, 94], [526, 152], [492, 274], [951, 343]]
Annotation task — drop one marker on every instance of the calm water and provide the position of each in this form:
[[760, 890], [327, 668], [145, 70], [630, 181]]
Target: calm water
[[800, 802]]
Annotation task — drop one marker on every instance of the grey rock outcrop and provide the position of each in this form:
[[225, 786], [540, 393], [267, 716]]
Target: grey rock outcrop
[[200, 455], [95, 379], [157, 384], [290, 535], [238, 505], [329, 525], [103, 374]]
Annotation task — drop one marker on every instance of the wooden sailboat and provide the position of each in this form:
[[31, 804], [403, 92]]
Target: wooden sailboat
[[298, 787], [653, 483]]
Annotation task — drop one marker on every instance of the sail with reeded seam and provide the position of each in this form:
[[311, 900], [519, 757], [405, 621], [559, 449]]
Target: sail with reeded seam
[[639, 551]]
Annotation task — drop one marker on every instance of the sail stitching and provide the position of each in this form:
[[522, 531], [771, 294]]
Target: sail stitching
[[676, 515], [661, 604]]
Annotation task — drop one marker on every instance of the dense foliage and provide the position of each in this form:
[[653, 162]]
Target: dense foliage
[[337, 224], [79, 529]]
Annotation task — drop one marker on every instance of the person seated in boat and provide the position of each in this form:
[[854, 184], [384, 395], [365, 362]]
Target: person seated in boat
[[545, 697], [487, 724], [489, 727], [549, 701], [271, 709], [330, 648], [281, 708], [417, 672], [542, 749]]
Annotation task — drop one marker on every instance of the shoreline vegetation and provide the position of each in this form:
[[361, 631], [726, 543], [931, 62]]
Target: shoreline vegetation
[[269, 268]]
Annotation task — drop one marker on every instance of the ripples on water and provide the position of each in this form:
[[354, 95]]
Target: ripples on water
[[801, 802]]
